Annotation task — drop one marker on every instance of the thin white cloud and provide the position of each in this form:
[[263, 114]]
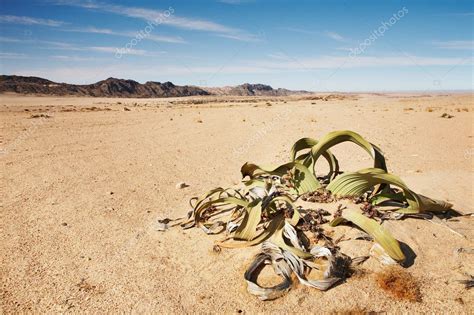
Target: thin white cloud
[[241, 37], [334, 62], [91, 29], [9, 40], [143, 34], [5, 55], [161, 38], [26, 20], [73, 47], [234, 2], [279, 56], [455, 44], [334, 35], [73, 58], [331, 34], [113, 50], [348, 49], [456, 14], [300, 30], [164, 17], [57, 45]]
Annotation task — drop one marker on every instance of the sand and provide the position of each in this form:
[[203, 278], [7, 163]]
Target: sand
[[83, 186]]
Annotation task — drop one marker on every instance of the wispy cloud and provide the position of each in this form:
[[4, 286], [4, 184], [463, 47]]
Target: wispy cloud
[[5, 55], [151, 37], [300, 30], [234, 2], [455, 44], [134, 52], [456, 14], [73, 58], [348, 49], [9, 40], [279, 56], [26, 20], [57, 45], [331, 34], [160, 38], [333, 62], [91, 29], [72, 47], [241, 37], [334, 35], [173, 20]]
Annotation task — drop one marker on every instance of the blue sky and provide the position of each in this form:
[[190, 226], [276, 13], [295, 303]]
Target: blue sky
[[313, 45]]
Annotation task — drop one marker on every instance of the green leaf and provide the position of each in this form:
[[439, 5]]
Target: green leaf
[[354, 184], [225, 201], [275, 224], [304, 182], [333, 138], [377, 231], [306, 158], [386, 196], [247, 230]]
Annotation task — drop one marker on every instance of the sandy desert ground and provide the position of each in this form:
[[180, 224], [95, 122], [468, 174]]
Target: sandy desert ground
[[84, 184]]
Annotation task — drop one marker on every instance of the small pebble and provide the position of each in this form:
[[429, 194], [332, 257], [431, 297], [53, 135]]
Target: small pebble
[[181, 185]]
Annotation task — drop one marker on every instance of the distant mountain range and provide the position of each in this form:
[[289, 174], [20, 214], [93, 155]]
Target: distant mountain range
[[113, 87], [248, 89]]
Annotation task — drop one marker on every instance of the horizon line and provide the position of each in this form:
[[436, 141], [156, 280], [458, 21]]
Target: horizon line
[[301, 90]]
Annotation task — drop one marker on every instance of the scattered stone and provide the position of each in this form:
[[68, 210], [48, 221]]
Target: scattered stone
[[40, 116], [468, 283], [465, 250], [160, 226], [85, 286], [64, 224], [446, 115], [181, 185], [126, 109]]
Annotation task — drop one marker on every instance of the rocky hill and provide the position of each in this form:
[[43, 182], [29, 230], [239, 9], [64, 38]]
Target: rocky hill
[[113, 87], [248, 89], [110, 87]]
